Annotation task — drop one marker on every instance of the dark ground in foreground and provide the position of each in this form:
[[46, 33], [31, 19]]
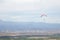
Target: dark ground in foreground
[[48, 37]]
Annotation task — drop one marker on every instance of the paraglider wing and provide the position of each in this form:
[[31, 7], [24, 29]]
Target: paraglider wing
[[42, 15]]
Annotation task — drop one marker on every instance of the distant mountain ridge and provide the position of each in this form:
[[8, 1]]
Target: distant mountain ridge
[[16, 26]]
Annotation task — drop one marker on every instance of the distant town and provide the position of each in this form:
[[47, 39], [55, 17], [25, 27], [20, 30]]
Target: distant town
[[36, 32]]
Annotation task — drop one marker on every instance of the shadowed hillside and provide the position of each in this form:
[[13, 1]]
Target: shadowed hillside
[[20, 26]]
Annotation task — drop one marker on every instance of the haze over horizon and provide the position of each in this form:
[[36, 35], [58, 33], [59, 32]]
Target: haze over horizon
[[30, 10]]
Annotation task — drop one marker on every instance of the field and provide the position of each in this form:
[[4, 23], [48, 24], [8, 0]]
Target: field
[[28, 39], [31, 38]]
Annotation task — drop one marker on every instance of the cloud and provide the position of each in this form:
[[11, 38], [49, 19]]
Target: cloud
[[22, 5], [27, 5], [26, 1], [30, 10], [7, 5], [30, 18], [52, 20]]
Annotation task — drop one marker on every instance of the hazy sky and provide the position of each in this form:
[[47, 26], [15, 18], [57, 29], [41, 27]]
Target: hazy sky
[[30, 10]]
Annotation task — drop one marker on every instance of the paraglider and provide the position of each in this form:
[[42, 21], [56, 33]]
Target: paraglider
[[43, 17]]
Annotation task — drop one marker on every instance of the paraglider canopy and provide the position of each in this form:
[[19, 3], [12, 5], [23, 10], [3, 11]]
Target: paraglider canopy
[[43, 15]]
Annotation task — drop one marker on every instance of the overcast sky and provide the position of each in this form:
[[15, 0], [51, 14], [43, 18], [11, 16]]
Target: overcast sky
[[30, 10]]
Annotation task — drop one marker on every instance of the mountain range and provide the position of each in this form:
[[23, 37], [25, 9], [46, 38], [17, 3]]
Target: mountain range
[[20, 26]]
